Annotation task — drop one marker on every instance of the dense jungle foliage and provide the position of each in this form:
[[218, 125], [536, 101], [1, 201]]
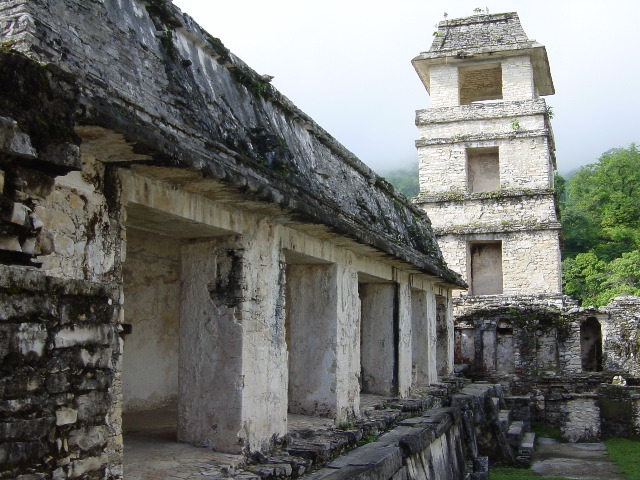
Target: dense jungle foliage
[[600, 214]]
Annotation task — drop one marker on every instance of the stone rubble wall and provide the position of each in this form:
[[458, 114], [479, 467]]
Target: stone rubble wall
[[583, 419], [60, 358], [621, 335], [480, 31]]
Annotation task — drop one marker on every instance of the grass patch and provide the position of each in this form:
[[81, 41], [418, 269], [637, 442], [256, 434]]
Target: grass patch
[[510, 473], [626, 453], [548, 432]]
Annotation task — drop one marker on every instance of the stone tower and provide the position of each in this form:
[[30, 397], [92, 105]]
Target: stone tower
[[487, 159]]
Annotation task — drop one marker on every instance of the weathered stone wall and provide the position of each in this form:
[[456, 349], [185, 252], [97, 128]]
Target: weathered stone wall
[[620, 335], [441, 443], [86, 237], [582, 422], [499, 212], [530, 259], [60, 383], [524, 152], [151, 278], [619, 410]]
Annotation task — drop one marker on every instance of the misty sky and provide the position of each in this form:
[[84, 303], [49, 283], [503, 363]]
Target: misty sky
[[347, 64]]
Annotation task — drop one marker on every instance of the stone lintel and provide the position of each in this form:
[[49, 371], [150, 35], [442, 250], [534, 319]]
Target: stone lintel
[[458, 196], [505, 227], [516, 134]]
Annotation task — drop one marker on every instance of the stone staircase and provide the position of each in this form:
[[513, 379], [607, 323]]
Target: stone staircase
[[410, 424], [510, 441]]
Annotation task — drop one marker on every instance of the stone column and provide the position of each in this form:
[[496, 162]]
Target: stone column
[[348, 343], [232, 372], [423, 337], [211, 342], [444, 336], [404, 337]]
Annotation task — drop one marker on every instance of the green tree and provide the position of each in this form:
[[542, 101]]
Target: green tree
[[602, 209], [600, 213], [596, 282], [405, 180]]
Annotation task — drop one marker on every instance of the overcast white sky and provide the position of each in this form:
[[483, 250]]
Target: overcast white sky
[[347, 64]]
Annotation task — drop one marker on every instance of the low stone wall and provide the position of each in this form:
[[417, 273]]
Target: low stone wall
[[620, 410], [443, 443], [60, 395], [428, 447]]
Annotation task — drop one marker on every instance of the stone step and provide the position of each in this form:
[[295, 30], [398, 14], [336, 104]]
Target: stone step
[[525, 453], [527, 444], [515, 433], [504, 420]]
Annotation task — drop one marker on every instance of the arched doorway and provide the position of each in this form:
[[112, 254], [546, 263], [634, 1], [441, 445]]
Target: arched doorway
[[591, 345]]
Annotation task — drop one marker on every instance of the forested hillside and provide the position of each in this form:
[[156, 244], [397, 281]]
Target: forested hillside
[[600, 209], [405, 180]]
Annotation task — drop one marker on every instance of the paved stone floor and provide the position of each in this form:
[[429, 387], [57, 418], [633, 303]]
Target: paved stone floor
[[152, 452], [579, 461]]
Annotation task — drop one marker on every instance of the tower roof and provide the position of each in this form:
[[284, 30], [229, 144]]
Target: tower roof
[[485, 36]]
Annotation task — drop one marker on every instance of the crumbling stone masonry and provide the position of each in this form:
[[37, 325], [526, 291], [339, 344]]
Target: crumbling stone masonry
[[175, 231]]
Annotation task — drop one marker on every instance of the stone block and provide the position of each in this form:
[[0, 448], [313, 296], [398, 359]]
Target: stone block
[[383, 460], [13, 141], [10, 243], [58, 382], [80, 467], [45, 243], [93, 406], [66, 416], [20, 385], [81, 336], [31, 338], [25, 429], [89, 437], [402, 474], [28, 246], [14, 453], [102, 358], [18, 214]]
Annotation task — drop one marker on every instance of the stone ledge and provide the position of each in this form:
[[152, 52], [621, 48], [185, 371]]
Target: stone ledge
[[32, 280], [544, 132], [492, 196], [481, 111], [496, 228]]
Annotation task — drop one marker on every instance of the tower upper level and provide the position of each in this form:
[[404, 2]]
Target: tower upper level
[[483, 57]]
